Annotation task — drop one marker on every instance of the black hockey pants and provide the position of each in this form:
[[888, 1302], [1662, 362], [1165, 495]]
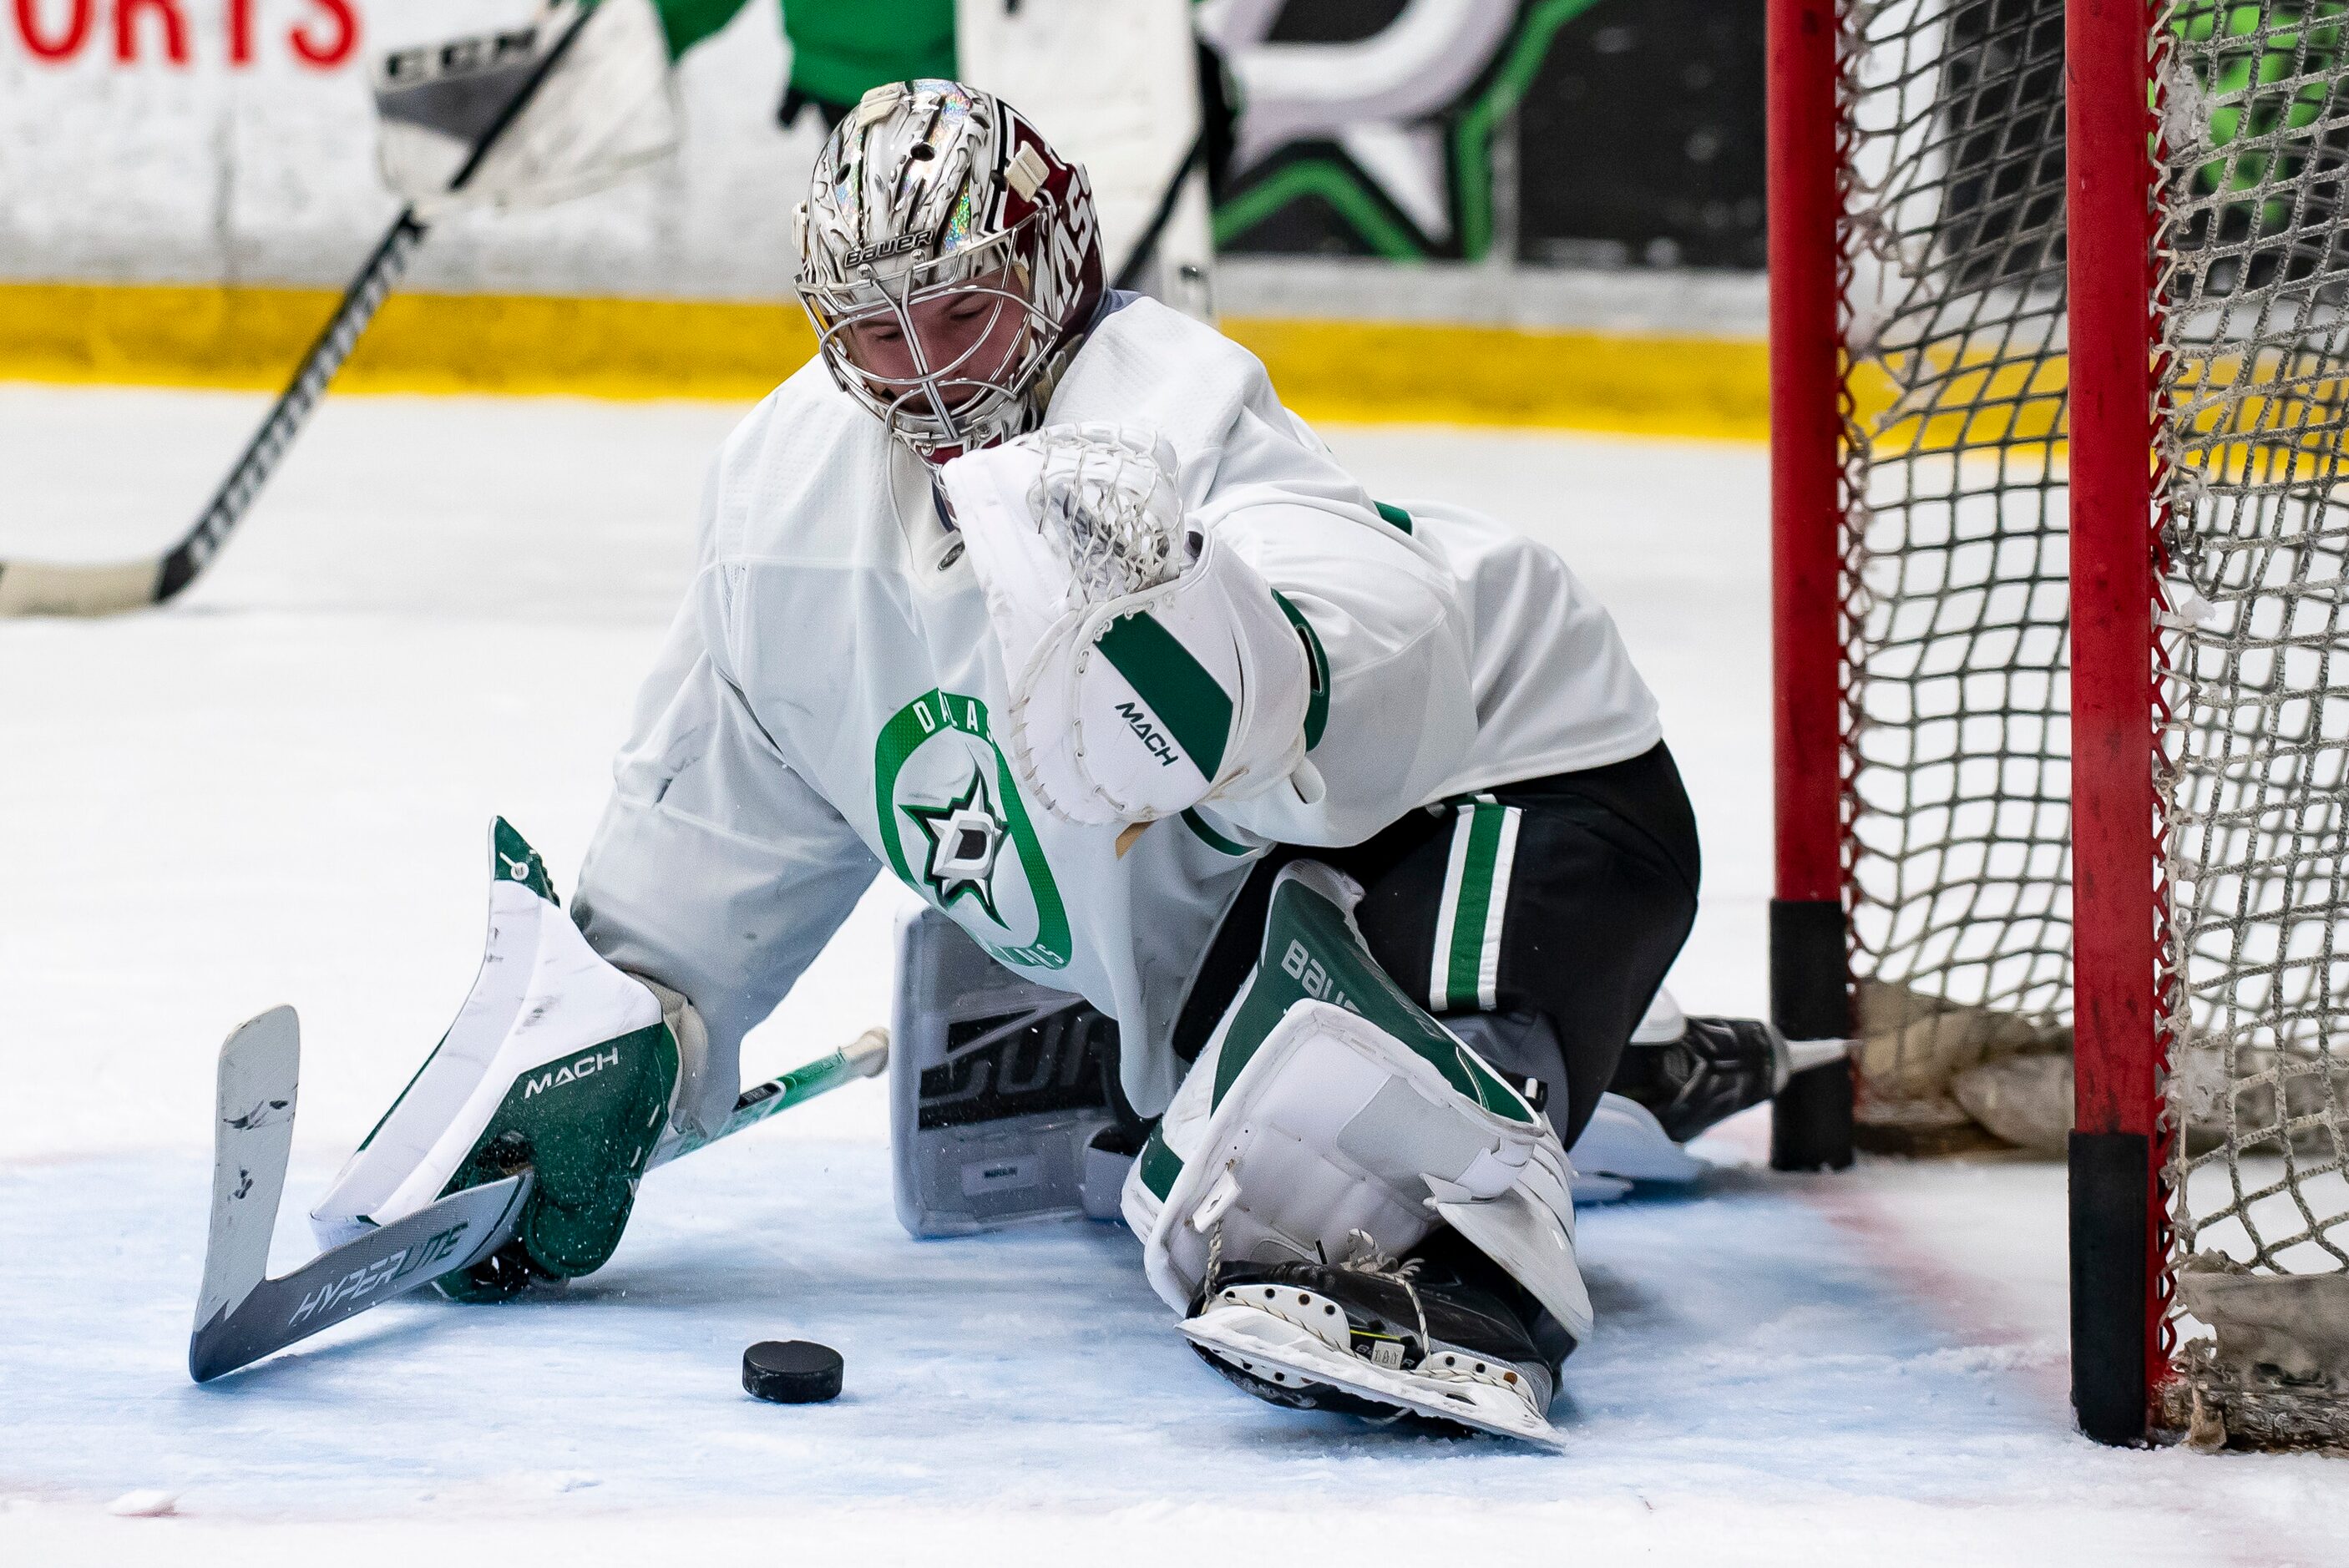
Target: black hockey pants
[[1568, 897]]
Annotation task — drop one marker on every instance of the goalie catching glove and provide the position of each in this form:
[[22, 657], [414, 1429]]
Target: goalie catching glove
[[1150, 666], [557, 1061]]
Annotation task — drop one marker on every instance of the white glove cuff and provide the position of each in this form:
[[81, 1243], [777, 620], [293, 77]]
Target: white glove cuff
[[702, 1101]]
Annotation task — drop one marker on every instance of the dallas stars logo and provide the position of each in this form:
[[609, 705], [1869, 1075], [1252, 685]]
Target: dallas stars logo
[[965, 836]]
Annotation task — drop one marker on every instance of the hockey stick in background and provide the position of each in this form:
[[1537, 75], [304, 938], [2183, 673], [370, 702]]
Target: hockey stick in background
[[48, 588], [1137, 261], [242, 1314]]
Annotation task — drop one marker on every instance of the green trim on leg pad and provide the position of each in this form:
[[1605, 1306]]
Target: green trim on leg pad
[[1313, 951], [1160, 1165]]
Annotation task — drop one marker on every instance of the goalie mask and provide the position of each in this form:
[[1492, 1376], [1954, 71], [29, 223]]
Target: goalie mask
[[950, 262]]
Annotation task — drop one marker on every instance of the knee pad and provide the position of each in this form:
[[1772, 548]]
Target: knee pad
[[1326, 1103]]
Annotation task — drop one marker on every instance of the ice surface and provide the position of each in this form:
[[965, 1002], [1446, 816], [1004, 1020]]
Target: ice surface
[[275, 791]]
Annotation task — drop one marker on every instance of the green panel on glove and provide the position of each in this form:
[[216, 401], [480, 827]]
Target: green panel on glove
[[587, 1127]]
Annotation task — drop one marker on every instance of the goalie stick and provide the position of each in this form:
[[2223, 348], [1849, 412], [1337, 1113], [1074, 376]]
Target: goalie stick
[[51, 588], [1137, 261], [242, 1314]]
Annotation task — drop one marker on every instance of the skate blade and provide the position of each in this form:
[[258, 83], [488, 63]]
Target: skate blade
[[1260, 1344]]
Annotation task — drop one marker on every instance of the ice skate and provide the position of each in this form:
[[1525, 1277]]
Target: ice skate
[[1378, 1339]]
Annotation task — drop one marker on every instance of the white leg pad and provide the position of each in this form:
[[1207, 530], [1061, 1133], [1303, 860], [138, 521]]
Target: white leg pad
[[1663, 1022], [1335, 1125], [1623, 1140]]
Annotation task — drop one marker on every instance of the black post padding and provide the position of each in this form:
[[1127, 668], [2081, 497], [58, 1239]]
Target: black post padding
[[1810, 999], [2110, 1187], [1810, 1120], [1810, 970]]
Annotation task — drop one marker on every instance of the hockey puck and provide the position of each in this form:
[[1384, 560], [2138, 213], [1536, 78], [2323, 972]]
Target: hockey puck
[[791, 1371]]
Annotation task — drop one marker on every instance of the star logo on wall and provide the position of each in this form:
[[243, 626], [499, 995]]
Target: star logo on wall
[[966, 837]]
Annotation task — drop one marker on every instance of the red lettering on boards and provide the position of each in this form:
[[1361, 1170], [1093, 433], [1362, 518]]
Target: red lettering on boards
[[126, 29], [52, 46], [325, 36], [341, 40]]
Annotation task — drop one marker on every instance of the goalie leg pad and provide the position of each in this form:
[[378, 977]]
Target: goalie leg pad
[[1327, 1104], [1620, 1144]]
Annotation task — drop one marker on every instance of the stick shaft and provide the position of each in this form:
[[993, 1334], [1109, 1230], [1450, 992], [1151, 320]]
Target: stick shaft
[[862, 1058], [47, 588], [286, 416], [334, 344]]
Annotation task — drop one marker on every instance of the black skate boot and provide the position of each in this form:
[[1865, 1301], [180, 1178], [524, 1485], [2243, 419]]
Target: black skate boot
[[1373, 1338], [1717, 1067]]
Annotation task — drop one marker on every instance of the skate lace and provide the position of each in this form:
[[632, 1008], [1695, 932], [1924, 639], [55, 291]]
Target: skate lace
[[1364, 1256]]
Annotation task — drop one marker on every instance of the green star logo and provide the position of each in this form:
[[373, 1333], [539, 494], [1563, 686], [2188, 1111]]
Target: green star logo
[[965, 836], [925, 746]]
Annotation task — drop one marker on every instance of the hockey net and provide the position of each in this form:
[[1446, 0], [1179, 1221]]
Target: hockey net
[[2252, 411], [1957, 803], [1957, 799]]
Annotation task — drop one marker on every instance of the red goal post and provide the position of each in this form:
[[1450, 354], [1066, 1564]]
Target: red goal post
[[2119, 1207], [1808, 979]]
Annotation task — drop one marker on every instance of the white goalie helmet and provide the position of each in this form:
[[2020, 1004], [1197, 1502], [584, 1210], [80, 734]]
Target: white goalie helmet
[[950, 261]]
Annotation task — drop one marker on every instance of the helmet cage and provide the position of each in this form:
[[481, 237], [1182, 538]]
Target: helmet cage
[[942, 408], [930, 189]]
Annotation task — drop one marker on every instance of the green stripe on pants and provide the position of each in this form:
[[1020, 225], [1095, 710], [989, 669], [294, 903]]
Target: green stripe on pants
[[1475, 891]]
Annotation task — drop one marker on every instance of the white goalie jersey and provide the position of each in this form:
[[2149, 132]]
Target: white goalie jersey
[[828, 703]]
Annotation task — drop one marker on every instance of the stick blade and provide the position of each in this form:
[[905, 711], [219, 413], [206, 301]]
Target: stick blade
[[444, 1237], [49, 588], [252, 1135]]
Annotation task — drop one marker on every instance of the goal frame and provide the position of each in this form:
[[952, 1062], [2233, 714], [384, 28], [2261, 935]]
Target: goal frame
[[1810, 991], [2118, 1199], [2118, 1205]]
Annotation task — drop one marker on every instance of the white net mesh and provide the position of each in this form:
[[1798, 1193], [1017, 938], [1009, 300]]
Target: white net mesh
[[1956, 608], [2253, 269], [1960, 822]]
